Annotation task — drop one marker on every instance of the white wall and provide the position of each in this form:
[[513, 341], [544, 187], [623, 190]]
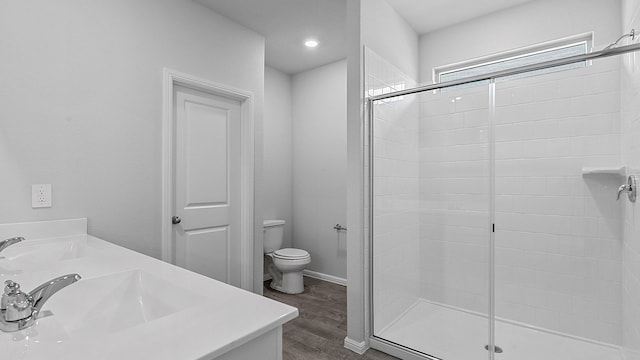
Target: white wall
[[389, 35], [371, 23], [320, 166], [305, 161], [82, 106], [517, 27], [278, 156], [629, 100]]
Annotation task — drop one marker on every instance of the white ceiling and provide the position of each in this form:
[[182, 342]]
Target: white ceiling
[[428, 15], [286, 24]]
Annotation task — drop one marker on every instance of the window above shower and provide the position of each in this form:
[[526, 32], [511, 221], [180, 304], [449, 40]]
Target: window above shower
[[552, 50]]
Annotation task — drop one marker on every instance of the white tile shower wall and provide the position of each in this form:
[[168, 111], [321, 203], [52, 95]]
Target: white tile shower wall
[[454, 196], [557, 232], [396, 229], [630, 114]]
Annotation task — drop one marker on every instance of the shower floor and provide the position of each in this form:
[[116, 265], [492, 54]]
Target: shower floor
[[452, 334]]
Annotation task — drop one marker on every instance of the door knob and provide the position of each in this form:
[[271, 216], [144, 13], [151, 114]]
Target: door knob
[[176, 220]]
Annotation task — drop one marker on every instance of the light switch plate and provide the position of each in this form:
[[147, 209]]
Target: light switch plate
[[40, 195]]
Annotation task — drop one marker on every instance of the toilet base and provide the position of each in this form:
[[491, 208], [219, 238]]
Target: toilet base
[[291, 283]]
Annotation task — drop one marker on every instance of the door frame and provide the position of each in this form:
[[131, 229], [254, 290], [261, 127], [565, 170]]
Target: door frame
[[172, 78]]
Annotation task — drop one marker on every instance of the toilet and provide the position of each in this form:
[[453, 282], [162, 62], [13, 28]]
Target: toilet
[[288, 264]]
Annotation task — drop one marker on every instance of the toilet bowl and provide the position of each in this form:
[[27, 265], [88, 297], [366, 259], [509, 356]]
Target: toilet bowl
[[287, 264]]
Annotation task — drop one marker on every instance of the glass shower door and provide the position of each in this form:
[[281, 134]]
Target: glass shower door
[[430, 231]]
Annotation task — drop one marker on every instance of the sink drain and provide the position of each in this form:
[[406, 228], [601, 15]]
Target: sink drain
[[496, 349]]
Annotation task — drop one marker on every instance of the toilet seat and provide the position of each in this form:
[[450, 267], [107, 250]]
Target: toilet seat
[[290, 254]]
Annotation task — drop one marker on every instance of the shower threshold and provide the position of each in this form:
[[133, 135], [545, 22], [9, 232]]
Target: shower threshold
[[452, 334]]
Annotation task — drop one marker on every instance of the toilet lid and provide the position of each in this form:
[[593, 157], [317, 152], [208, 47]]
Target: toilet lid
[[290, 253]]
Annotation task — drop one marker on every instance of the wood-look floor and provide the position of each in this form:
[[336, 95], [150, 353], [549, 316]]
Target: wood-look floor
[[318, 332]]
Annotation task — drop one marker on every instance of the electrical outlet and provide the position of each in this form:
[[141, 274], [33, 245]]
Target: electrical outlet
[[40, 195]]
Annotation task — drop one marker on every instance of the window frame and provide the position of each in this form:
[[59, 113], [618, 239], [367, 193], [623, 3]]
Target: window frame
[[505, 56]]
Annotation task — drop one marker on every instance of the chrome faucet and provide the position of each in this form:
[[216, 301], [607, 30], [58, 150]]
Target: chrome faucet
[[8, 242], [19, 310]]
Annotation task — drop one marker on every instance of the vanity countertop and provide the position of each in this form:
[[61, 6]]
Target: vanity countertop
[[127, 305]]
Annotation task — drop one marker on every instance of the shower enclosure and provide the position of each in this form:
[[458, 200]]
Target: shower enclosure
[[494, 228]]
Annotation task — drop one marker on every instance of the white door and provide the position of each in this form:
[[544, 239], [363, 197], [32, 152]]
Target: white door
[[207, 171]]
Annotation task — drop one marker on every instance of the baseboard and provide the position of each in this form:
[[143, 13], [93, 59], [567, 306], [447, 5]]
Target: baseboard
[[355, 346], [325, 277], [316, 275]]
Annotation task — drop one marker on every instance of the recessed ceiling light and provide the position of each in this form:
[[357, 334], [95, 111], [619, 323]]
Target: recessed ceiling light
[[311, 43]]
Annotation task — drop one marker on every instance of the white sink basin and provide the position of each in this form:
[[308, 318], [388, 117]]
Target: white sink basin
[[116, 302], [37, 255]]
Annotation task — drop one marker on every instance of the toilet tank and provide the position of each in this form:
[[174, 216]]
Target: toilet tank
[[273, 231]]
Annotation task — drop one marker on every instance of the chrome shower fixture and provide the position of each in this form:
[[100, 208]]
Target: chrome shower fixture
[[631, 188], [631, 34]]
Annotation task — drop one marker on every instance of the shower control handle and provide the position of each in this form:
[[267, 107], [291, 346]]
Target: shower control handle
[[621, 189], [631, 188]]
